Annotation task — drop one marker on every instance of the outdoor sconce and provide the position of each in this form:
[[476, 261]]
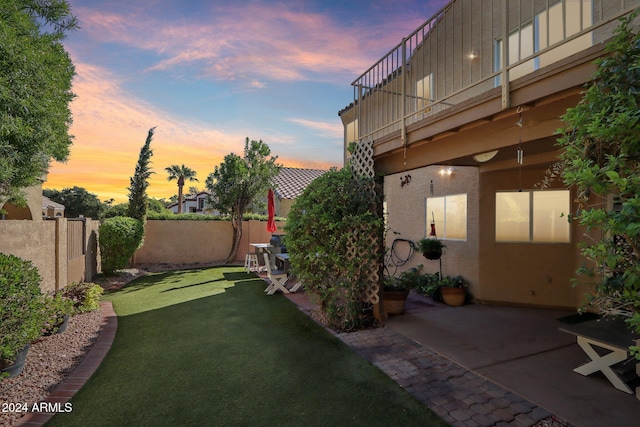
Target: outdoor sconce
[[473, 54], [446, 172]]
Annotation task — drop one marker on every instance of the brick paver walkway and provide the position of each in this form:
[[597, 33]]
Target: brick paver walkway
[[457, 395]]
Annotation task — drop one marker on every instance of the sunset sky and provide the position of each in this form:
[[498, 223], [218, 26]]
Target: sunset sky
[[208, 74]]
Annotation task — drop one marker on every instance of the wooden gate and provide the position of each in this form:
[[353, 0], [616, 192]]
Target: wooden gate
[[76, 238]]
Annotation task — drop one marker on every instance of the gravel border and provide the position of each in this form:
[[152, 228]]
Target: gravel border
[[50, 360]]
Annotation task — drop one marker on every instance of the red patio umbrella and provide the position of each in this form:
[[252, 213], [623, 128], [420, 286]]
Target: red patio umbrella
[[271, 206]]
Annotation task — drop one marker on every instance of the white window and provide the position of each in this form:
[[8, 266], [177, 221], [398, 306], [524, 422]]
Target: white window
[[533, 216], [424, 94], [549, 27], [449, 216], [352, 131]]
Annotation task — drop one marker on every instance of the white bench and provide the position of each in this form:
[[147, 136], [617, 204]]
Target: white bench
[[612, 334]]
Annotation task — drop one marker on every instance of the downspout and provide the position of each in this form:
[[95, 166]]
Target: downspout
[[403, 127]]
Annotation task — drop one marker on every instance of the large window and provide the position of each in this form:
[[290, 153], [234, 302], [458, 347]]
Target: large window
[[449, 214], [533, 216], [551, 26]]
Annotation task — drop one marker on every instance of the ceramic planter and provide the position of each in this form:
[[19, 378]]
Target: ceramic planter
[[15, 367], [394, 301], [453, 296]]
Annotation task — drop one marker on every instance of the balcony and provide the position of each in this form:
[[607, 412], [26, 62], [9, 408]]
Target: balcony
[[458, 57]]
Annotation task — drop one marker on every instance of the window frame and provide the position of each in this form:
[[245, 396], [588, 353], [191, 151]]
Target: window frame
[[443, 235], [532, 217]]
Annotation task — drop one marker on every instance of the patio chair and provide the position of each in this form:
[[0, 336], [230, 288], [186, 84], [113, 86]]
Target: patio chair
[[277, 278]]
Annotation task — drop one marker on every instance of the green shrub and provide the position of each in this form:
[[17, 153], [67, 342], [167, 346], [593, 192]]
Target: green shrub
[[117, 210], [20, 305], [336, 215], [119, 237], [170, 216], [55, 307], [85, 296], [406, 281]]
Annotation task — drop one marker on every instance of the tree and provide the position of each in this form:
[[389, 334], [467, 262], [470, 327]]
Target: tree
[[180, 173], [138, 202], [77, 201], [35, 91], [601, 158], [238, 181]]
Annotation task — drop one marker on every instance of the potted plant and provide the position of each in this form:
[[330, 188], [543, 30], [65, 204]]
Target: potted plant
[[430, 248], [453, 290], [395, 290], [56, 313], [20, 312]]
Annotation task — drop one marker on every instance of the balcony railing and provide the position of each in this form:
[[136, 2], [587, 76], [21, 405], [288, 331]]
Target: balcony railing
[[459, 53]]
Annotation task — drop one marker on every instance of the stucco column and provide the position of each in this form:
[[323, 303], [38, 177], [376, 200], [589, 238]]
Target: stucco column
[[61, 253]]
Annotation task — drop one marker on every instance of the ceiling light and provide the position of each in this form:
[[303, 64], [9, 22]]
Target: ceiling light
[[485, 157]]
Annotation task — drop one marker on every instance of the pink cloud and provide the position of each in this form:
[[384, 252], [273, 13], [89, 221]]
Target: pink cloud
[[254, 41], [331, 129]]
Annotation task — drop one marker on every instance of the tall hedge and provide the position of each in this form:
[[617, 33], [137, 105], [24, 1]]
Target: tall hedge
[[334, 213], [20, 305], [119, 237]]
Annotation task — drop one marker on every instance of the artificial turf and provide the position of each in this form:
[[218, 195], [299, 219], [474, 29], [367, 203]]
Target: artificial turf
[[209, 348]]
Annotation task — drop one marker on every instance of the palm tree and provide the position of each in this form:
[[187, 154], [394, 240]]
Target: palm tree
[[180, 173]]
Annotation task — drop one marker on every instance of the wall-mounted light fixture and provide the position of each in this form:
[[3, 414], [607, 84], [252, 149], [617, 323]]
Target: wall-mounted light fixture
[[446, 171], [473, 54]]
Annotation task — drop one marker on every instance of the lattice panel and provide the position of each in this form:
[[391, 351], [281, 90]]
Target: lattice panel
[[360, 243], [364, 240], [362, 159]]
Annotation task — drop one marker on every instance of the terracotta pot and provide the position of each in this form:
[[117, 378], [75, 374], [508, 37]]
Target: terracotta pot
[[394, 301], [453, 296]]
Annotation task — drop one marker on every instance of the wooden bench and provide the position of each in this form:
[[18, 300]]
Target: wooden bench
[[612, 334]]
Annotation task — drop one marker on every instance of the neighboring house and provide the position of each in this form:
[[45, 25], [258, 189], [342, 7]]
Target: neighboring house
[[51, 209], [462, 118], [31, 210], [289, 184], [195, 204]]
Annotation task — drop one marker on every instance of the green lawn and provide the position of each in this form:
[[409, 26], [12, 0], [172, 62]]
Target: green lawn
[[208, 347]]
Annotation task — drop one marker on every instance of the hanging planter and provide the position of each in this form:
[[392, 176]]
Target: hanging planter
[[431, 248]]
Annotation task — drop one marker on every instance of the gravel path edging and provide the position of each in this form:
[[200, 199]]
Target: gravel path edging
[[81, 373]]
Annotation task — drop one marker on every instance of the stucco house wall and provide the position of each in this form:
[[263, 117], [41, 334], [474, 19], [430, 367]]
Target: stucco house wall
[[407, 218], [33, 208]]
